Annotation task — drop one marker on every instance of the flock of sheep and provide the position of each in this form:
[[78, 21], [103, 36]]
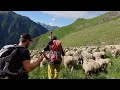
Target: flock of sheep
[[92, 58]]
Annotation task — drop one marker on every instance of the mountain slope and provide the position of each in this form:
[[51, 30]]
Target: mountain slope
[[12, 25], [85, 27], [49, 27], [107, 33]]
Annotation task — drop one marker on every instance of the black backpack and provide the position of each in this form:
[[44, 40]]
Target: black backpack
[[7, 54]]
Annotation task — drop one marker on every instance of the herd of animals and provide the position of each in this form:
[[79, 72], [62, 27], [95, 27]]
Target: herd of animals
[[93, 59]]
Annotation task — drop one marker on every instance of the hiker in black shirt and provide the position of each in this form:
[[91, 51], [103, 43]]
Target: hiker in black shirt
[[24, 59]]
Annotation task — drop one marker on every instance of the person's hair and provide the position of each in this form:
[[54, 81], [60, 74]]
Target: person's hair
[[54, 38], [23, 40]]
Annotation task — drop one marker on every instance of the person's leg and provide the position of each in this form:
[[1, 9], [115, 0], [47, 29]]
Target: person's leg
[[50, 71], [57, 70]]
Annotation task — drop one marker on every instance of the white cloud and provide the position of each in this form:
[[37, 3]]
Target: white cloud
[[53, 19], [51, 24], [74, 14]]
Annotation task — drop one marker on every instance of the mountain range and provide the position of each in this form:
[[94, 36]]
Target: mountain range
[[49, 27], [12, 25]]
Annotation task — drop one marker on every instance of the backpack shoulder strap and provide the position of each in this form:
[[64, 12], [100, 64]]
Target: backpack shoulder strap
[[15, 50], [5, 49]]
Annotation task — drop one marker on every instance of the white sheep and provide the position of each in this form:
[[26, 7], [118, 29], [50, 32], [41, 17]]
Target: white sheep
[[33, 59], [94, 50], [69, 62], [115, 52], [87, 67], [108, 61], [99, 55], [95, 64], [104, 63], [68, 53], [86, 55], [72, 52], [78, 57], [44, 62]]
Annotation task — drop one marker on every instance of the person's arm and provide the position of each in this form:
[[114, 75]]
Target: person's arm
[[47, 48], [26, 61], [43, 52], [29, 67]]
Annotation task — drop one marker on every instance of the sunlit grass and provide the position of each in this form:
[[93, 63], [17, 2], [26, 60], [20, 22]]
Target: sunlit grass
[[113, 72]]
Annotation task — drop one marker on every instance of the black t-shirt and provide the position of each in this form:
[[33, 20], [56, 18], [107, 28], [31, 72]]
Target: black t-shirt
[[22, 55], [47, 48]]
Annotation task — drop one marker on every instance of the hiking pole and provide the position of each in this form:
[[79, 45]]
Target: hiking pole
[[51, 35], [50, 41]]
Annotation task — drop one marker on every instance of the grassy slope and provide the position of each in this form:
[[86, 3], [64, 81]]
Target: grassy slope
[[79, 25], [113, 72], [107, 32]]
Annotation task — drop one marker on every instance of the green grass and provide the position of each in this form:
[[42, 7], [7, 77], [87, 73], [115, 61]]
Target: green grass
[[113, 72], [107, 32]]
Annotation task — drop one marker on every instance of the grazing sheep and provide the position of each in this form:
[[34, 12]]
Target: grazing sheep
[[86, 55], [98, 55], [33, 59], [44, 62], [87, 67], [95, 64], [104, 63], [68, 53], [94, 50], [69, 62], [115, 53], [78, 57], [34, 52], [103, 48], [72, 52], [108, 61]]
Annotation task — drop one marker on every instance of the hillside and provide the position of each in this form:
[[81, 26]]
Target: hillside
[[106, 33], [98, 30], [12, 25]]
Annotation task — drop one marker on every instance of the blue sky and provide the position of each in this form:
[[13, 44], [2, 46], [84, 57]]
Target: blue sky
[[58, 18]]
